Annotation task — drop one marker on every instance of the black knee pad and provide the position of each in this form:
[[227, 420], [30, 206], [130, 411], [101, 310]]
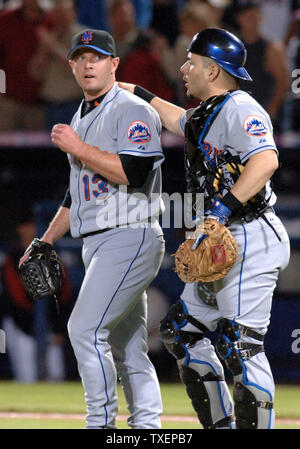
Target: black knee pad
[[171, 334], [170, 331], [233, 352], [229, 334]]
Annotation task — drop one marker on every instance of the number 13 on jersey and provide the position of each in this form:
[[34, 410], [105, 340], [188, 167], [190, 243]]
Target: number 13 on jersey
[[95, 185]]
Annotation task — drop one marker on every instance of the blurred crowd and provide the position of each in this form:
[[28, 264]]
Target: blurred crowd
[[152, 37]]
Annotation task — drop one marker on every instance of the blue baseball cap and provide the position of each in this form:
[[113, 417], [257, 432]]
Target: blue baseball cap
[[98, 40]]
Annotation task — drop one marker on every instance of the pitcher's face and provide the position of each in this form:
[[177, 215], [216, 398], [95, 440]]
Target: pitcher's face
[[94, 72]]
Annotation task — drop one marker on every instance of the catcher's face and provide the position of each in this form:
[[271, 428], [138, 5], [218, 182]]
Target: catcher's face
[[196, 74], [94, 72]]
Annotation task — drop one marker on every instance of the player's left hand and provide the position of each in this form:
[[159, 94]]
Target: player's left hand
[[66, 139], [219, 211], [127, 86]]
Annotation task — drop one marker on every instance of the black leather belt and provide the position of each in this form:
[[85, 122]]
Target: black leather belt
[[100, 231], [249, 217]]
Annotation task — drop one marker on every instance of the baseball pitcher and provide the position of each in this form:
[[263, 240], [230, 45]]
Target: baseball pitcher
[[112, 204]]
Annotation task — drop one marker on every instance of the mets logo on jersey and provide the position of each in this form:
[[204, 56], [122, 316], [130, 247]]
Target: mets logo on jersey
[[86, 37], [254, 126], [139, 132]]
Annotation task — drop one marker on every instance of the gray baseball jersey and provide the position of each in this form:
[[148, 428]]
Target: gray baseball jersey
[[113, 127], [243, 128]]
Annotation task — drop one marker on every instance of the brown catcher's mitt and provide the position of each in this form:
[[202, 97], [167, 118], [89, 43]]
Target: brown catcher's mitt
[[212, 259]]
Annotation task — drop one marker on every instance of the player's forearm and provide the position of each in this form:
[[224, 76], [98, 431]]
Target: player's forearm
[[256, 174], [169, 114], [58, 227], [106, 164]]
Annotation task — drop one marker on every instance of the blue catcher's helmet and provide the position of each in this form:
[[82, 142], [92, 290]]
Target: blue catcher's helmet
[[225, 48]]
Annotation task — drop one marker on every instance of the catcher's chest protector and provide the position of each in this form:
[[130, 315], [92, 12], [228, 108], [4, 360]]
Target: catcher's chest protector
[[199, 122], [214, 177]]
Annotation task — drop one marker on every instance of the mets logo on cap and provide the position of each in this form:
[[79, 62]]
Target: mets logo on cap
[[139, 132], [255, 126], [86, 37]]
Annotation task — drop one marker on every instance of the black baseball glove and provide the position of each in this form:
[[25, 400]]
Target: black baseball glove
[[42, 272]]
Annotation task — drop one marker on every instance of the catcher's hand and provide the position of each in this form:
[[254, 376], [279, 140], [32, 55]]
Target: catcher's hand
[[41, 271], [212, 258]]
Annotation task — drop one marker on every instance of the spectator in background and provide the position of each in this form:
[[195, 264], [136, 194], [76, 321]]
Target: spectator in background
[[123, 25], [165, 19], [275, 12], [143, 12], [194, 17], [279, 18], [93, 14], [218, 9], [20, 106], [291, 113], [137, 50], [58, 89], [266, 60], [19, 320]]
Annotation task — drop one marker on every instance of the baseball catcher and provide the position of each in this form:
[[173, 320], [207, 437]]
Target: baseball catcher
[[41, 273], [230, 156]]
